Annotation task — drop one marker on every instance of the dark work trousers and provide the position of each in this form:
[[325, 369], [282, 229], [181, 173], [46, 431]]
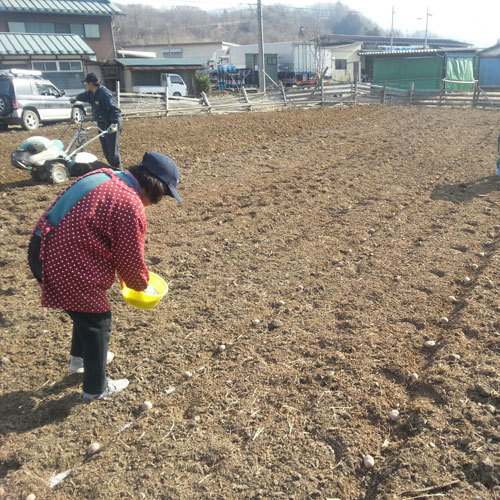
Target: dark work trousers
[[110, 144], [34, 257], [91, 333]]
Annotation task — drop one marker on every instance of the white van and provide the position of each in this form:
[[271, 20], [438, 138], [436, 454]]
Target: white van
[[174, 83]]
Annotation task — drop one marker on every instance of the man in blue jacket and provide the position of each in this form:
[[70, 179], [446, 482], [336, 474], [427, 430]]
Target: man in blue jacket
[[108, 116]]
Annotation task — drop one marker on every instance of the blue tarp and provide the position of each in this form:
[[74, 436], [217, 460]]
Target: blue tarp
[[489, 72]]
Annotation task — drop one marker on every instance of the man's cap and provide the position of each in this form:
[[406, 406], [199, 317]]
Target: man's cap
[[91, 78], [163, 168]]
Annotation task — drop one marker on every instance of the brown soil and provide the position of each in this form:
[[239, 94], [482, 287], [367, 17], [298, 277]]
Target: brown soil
[[321, 248]]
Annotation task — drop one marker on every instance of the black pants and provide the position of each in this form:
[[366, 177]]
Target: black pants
[[110, 144], [91, 333], [34, 257]]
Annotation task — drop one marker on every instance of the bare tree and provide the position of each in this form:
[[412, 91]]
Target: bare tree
[[143, 24]]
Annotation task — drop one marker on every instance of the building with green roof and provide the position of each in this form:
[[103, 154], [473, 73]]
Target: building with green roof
[[37, 34]]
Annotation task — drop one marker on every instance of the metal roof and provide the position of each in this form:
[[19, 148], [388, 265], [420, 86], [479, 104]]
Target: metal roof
[[160, 61], [176, 44], [86, 7], [434, 42], [34, 44], [493, 50], [402, 52]]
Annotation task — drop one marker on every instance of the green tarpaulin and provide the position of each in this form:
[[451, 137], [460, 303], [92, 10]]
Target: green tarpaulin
[[399, 72], [460, 69], [427, 72]]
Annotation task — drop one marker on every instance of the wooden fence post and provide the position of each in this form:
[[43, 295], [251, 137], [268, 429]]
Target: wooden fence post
[[441, 94], [475, 95], [118, 99], [166, 100], [247, 100], [206, 101], [410, 93], [322, 92], [283, 94], [384, 91]]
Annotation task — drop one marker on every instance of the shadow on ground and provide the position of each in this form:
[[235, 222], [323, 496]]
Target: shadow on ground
[[22, 411], [466, 191]]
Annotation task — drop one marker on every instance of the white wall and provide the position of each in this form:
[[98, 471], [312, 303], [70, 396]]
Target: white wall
[[292, 56], [349, 53], [202, 51]]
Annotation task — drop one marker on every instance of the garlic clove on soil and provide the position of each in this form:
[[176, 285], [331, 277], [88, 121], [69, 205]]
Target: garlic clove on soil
[[93, 448], [146, 406], [394, 415]]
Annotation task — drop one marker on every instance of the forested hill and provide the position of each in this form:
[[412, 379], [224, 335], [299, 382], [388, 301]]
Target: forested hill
[[144, 24]]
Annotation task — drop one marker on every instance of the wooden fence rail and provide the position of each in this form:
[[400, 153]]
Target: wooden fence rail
[[339, 93]]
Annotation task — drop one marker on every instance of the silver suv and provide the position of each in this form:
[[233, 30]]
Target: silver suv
[[27, 99]]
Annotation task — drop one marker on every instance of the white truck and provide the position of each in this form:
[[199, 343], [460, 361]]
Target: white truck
[[174, 83], [297, 63]]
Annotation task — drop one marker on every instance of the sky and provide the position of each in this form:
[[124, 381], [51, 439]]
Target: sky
[[477, 23]]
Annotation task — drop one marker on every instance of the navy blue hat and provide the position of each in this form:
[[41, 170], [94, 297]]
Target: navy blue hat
[[91, 78], [163, 168]]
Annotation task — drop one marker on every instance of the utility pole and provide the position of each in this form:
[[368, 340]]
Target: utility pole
[[392, 27], [426, 26], [262, 71], [169, 49]]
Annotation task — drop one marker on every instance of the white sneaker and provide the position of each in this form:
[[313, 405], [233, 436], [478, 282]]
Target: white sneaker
[[76, 363], [113, 387]]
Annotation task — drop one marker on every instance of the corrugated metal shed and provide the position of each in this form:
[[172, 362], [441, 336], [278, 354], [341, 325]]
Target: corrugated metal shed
[[87, 8], [154, 63], [42, 44], [489, 67]]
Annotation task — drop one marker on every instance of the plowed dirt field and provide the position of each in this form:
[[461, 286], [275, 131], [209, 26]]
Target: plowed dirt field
[[323, 249]]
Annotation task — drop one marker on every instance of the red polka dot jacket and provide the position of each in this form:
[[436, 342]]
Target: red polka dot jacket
[[103, 234]]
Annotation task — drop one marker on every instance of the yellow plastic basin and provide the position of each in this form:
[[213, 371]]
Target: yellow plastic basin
[[143, 300]]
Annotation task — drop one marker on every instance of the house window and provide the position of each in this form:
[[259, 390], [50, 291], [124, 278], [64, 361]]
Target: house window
[[83, 30], [17, 27], [70, 65], [77, 29], [45, 66], [63, 74], [53, 66], [63, 28], [172, 53], [39, 27], [340, 63], [92, 31]]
